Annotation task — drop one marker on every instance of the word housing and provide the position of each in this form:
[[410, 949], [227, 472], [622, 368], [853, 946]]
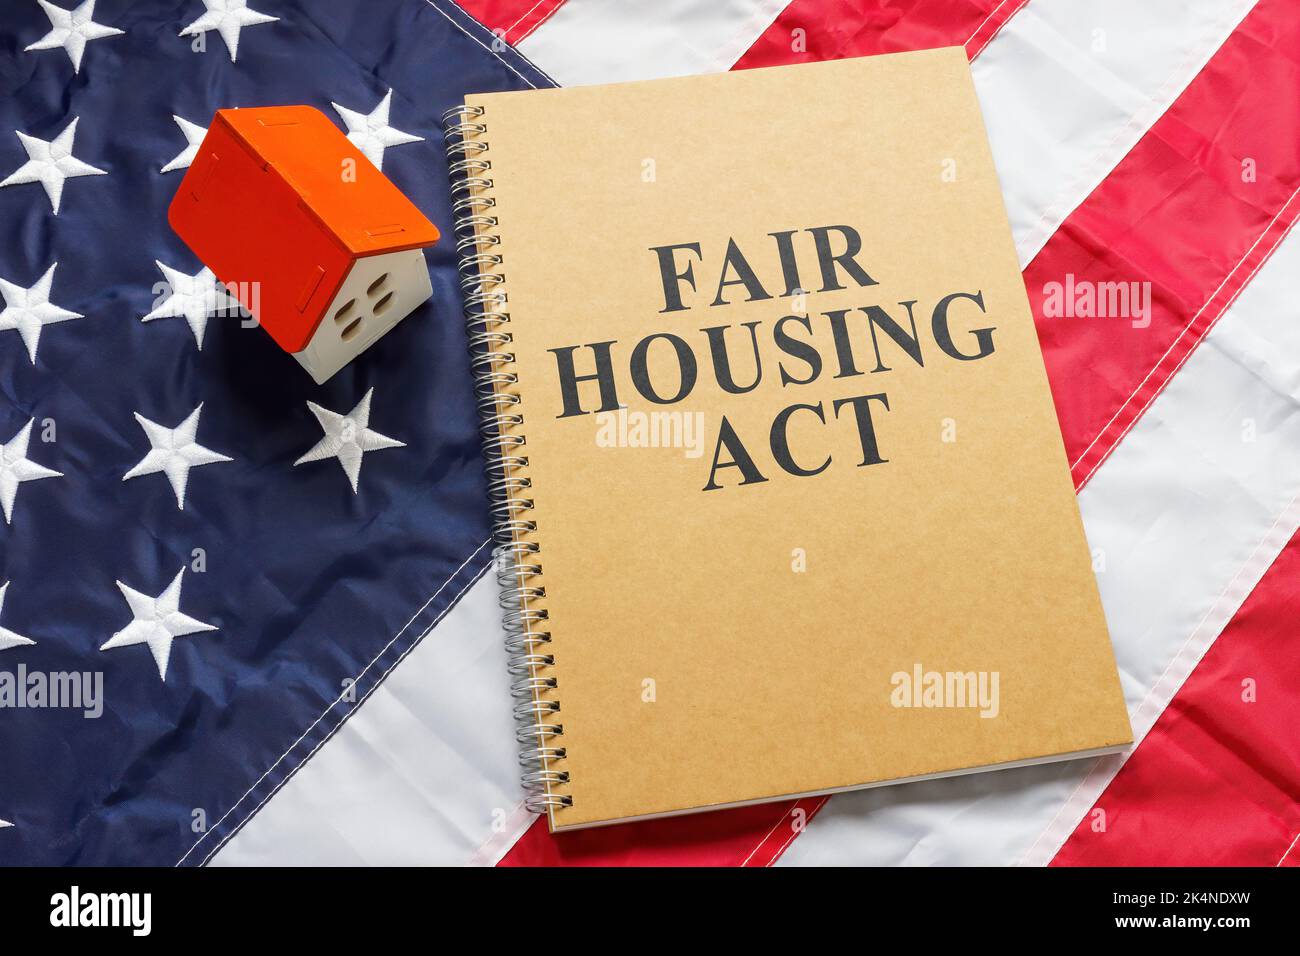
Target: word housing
[[664, 368]]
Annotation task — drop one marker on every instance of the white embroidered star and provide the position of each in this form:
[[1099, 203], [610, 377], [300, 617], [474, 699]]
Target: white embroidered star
[[8, 638], [15, 468], [194, 134], [174, 453], [195, 298], [157, 622], [50, 163], [371, 133], [5, 823], [28, 310], [347, 438], [227, 17], [72, 30]]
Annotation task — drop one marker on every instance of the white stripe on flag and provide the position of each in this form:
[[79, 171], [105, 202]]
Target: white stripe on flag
[[1068, 88], [423, 773], [1188, 513], [596, 41]]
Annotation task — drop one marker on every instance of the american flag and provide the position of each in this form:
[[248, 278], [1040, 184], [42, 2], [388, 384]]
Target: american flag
[[296, 667]]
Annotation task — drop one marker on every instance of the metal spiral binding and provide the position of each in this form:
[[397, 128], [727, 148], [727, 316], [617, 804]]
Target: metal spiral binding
[[518, 570]]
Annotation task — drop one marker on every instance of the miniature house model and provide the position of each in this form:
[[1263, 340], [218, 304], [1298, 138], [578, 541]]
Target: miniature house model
[[315, 242]]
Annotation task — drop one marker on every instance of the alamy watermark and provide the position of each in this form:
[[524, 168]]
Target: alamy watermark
[[1083, 299], [70, 690], [974, 690], [209, 295], [637, 429], [133, 911]]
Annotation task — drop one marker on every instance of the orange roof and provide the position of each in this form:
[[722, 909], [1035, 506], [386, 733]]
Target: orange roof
[[278, 203]]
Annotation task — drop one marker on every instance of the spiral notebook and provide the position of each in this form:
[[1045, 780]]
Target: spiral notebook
[[782, 504]]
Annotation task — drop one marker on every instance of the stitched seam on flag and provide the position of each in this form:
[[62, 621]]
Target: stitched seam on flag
[[1098, 157], [776, 825], [342, 720], [996, 30], [334, 703], [1283, 857], [1268, 252], [1123, 758], [772, 858], [521, 17], [1155, 685], [1249, 562], [1188, 354], [1227, 277], [495, 847], [1183, 360], [992, 13], [758, 846], [1097, 168], [461, 27], [540, 20], [794, 833], [764, 15]]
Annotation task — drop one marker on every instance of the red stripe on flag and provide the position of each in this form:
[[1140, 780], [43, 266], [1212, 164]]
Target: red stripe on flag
[[1185, 342], [1194, 209], [724, 838], [749, 836], [512, 20], [808, 31], [1217, 780]]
